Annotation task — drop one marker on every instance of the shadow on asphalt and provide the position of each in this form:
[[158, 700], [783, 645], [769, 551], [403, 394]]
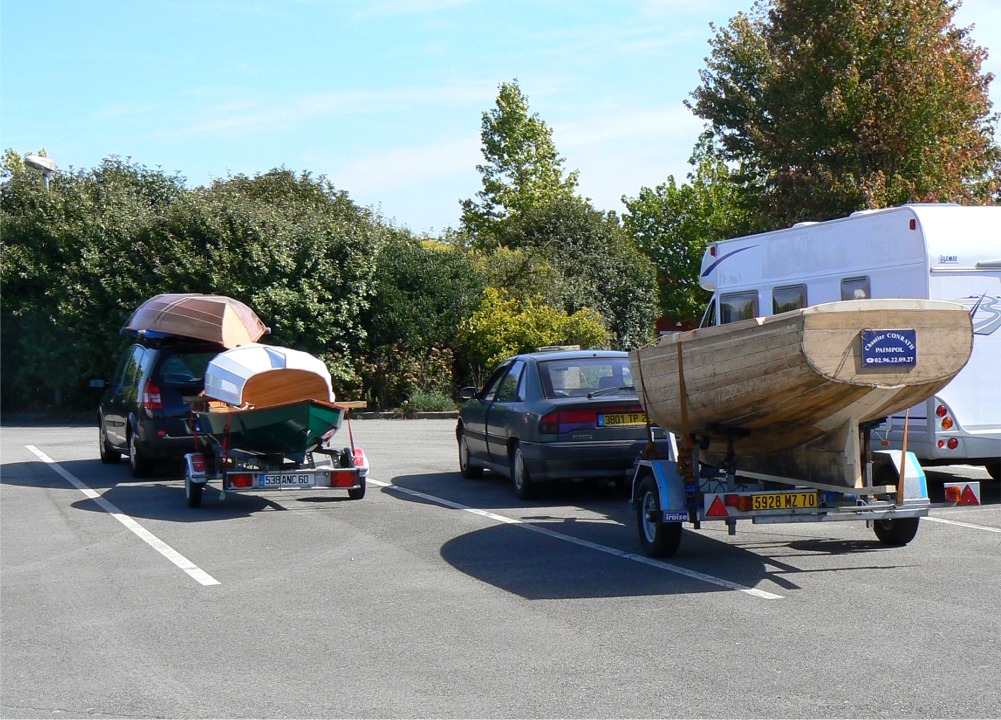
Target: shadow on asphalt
[[546, 555], [160, 497]]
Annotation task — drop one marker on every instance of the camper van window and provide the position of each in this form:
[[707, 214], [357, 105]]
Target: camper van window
[[855, 288], [791, 297], [738, 306]]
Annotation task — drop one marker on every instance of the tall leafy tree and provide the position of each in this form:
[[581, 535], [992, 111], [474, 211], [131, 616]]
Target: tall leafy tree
[[600, 266], [830, 106], [522, 168], [672, 224]]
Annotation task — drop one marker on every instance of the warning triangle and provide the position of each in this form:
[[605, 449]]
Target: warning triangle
[[717, 509], [968, 497]]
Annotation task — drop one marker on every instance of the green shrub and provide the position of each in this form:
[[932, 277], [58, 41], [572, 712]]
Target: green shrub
[[427, 401]]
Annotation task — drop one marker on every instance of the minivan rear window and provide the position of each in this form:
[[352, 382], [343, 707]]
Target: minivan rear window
[[185, 368]]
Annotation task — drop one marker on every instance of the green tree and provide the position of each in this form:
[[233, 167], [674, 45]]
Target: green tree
[[830, 106], [70, 274], [79, 256], [600, 266], [503, 326], [424, 291], [522, 168], [672, 225]]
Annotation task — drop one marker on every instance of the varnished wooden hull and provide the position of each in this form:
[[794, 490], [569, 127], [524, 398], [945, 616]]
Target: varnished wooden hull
[[771, 384]]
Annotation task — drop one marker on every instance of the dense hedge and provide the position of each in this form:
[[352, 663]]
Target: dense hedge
[[396, 318]]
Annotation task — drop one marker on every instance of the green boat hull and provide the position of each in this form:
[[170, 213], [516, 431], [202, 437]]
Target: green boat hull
[[291, 430]]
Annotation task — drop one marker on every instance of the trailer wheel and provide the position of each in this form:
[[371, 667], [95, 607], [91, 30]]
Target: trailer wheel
[[658, 538], [896, 532], [193, 492], [359, 492]]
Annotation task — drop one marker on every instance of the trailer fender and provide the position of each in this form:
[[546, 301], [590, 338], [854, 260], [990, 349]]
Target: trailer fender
[[670, 484], [915, 482]]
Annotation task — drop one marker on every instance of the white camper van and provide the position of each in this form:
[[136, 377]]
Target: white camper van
[[934, 251]]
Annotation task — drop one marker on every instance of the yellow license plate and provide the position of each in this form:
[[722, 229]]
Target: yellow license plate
[[619, 419], [784, 501]]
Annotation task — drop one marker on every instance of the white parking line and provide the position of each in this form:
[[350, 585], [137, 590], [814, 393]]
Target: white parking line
[[585, 543], [963, 524], [145, 535]]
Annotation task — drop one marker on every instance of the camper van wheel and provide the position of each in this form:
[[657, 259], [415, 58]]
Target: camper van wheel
[[896, 532], [193, 492], [658, 538]]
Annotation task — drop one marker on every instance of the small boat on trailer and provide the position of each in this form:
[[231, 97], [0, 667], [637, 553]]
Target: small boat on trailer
[[265, 413], [775, 417], [789, 393]]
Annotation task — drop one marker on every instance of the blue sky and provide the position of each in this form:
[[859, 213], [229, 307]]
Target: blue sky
[[383, 97]]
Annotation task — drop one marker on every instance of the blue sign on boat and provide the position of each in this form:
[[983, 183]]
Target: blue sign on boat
[[893, 348]]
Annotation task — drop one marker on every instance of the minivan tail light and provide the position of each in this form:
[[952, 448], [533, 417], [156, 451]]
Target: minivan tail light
[[151, 397]]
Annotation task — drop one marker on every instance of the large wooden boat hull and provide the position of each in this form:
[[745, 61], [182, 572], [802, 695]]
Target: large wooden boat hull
[[290, 430], [798, 382]]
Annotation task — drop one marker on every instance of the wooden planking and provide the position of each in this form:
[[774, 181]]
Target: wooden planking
[[284, 385], [765, 376]]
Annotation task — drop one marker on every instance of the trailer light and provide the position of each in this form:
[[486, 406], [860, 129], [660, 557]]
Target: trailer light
[[953, 493], [941, 444], [731, 500], [358, 457], [913, 224], [198, 462], [712, 251], [952, 444], [745, 503], [941, 411], [241, 480], [343, 478]]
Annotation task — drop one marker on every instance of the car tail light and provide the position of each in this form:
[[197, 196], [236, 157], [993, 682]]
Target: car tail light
[[151, 396], [561, 421], [550, 423]]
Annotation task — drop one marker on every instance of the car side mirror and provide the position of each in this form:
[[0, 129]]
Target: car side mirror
[[467, 393]]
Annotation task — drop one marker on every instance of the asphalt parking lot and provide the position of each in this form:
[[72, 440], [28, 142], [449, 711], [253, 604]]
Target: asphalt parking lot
[[436, 596]]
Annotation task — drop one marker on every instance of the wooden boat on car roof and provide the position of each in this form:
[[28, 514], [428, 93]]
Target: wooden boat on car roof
[[799, 381]]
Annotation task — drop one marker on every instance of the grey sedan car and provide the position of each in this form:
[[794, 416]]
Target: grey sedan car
[[559, 415]]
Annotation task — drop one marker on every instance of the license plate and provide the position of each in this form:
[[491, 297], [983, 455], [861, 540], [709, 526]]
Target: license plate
[[784, 501], [619, 419], [286, 480]]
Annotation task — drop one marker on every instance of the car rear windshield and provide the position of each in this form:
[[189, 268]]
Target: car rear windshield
[[185, 368], [578, 377]]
